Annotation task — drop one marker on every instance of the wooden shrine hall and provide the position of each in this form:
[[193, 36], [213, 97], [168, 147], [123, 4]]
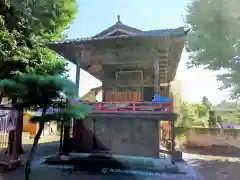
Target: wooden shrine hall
[[133, 65]]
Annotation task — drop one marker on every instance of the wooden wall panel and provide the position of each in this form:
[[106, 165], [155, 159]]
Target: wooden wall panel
[[111, 96]]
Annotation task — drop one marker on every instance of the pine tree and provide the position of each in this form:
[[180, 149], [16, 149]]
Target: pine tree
[[206, 102], [43, 92]]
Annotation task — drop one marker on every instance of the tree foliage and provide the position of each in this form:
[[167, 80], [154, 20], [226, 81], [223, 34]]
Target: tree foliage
[[233, 117], [189, 114], [176, 94], [25, 26], [206, 102], [214, 40], [37, 90], [228, 111], [47, 18], [192, 115]]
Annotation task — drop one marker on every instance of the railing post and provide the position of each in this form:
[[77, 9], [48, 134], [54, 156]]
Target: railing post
[[134, 107], [99, 106]]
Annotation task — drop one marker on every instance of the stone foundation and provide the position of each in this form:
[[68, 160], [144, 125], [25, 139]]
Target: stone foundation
[[126, 136]]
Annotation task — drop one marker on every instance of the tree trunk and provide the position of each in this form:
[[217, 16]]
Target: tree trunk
[[32, 152], [34, 147], [66, 138], [19, 141]]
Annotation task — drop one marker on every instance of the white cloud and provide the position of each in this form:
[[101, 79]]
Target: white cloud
[[198, 82]]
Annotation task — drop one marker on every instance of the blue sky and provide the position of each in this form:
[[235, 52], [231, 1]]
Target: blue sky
[[94, 16]]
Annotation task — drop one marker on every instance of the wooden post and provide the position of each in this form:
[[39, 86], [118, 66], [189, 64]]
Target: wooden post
[[66, 127], [156, 76], [79, 57], [77, 81], [172, 130], [61, 139], [66, 139]]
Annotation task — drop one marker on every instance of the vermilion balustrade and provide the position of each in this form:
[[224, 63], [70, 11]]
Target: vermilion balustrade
[[126, 107]]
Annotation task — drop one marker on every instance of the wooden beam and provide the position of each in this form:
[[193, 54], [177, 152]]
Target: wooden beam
[[134, 50], [127, 59], [126, 54]]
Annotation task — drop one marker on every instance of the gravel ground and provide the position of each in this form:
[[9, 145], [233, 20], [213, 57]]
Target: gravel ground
[[210, 167], [215, 167]]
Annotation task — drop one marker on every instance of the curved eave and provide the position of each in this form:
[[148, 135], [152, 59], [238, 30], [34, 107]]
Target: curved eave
[[163, 32]]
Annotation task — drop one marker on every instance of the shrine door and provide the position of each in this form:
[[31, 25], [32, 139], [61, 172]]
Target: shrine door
[[122, 96]]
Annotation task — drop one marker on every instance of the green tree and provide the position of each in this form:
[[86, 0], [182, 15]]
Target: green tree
[[25, 26], [43, 92], [214, 39], [201, 110], [211, 117], [177, 96], [187, 115], [231, 117], [202, 113], [47, 18], [192, 115], [206, 102]]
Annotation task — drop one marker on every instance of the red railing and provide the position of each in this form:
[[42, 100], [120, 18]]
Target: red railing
[[126, 107]]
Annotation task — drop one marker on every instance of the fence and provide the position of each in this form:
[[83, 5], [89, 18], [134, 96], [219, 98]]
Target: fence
[[9, 137]]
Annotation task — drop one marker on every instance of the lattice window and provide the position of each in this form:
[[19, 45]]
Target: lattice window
[[129, 78]]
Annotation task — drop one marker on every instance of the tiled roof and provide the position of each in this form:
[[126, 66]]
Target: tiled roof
[[96, 88], [159, 32], [118, 25]]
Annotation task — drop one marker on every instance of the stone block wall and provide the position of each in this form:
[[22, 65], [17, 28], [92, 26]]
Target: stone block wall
[[208, 137], [127, 136]]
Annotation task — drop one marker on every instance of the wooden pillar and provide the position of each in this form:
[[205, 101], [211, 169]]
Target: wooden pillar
[[79, 57], [104, 87], [66, 139], [77, 81], [103, 91], [156, 76], [172, 131]]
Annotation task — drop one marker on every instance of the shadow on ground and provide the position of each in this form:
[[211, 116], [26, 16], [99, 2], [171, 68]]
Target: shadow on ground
[[43, 149], [211, 169], [49, 148], [217, 169]]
